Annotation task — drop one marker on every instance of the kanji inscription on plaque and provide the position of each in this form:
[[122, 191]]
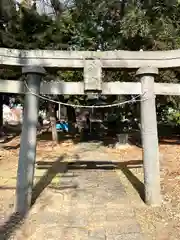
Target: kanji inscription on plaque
[[92, 75]]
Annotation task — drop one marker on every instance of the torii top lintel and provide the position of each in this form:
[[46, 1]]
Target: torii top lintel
[[75, 59]]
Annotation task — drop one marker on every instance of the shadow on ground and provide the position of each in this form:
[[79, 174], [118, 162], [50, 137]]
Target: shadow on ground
[[167, 135], [125, 167], [7, 139], [16, 219], [106, 165], [53, 168]]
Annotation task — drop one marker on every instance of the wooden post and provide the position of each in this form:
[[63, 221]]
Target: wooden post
[[52, 113], [59, 112], [27, 154], [150, 136], [1, 113]]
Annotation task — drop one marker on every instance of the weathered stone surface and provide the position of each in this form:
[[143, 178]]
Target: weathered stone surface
[[98, 233], [127, 225], [115, 214], [61, 233], [97, 218], [131, 236], [46, 218]]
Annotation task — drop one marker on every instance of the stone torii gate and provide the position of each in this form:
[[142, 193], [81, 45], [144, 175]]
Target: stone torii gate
[[33, 63]]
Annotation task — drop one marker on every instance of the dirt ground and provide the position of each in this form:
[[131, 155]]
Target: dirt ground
[[160, 223]]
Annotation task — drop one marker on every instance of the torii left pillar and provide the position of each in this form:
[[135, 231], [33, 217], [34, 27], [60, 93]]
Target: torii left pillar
[[27, 154]]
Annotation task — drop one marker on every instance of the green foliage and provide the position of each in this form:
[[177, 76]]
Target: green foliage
[[96, 25], [172, 116]]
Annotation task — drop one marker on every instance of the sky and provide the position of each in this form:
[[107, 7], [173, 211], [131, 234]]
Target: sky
[[44, 6]]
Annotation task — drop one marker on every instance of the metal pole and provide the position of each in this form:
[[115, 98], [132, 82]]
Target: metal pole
[[150, 137], [27, 154]]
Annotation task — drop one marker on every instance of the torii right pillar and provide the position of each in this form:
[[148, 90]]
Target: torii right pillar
[[149, 135]]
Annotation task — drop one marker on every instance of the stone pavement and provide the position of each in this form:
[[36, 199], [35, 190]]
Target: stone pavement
[[90, 203]]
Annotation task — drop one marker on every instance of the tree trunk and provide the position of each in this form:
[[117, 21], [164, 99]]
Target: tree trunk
[[52, 115], [1, 111], [2, 129], [71, 119]]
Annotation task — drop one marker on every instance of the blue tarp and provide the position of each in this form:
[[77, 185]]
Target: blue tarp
[[62, 126]]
